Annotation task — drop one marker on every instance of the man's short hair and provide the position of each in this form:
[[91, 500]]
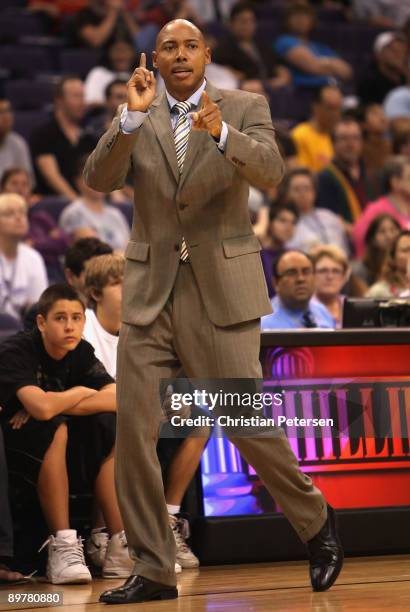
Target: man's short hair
[[110, 86], [241, 7], [52, 294], [318, 92], [99, 272], [82, 250], [346, 120], [281, 254], [59, 86]]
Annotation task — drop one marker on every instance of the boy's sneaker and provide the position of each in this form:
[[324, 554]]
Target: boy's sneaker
[[66, 563], [117, 563], [96, 547], [180, 528]]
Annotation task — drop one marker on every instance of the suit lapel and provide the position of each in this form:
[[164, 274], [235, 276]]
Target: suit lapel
[[198, 139], [161, 122]]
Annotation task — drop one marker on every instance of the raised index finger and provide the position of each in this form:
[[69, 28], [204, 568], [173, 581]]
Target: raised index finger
[[205, 99], [143, 61]]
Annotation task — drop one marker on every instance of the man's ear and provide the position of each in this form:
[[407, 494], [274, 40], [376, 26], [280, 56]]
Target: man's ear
[[69, 276], [95, 295], [41, 322], [154, 59], [208, 55]]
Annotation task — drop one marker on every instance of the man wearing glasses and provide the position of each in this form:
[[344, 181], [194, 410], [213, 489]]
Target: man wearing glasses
[[293, 307]]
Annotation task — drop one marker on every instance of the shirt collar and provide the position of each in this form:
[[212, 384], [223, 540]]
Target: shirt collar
[[193, 100], [278, 304]]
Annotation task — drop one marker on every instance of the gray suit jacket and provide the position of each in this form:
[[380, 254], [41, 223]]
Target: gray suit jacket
[[207, 205]]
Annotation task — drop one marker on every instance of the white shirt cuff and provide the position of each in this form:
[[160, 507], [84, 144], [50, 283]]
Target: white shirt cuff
[[224, 136], [131, 120]]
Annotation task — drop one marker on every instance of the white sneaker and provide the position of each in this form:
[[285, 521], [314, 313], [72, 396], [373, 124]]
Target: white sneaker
[[180, 528], [66, 563], [178, 568], [118, 563], [96, 547]]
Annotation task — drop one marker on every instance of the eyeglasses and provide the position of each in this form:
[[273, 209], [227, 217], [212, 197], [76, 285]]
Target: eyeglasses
[[329, 272], [295, 272]]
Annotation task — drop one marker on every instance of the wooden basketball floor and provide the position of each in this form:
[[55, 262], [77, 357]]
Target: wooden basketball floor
[[366, 584]]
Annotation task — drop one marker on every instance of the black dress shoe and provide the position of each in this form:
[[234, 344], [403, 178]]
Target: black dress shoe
[[138, 589], [325, 554]]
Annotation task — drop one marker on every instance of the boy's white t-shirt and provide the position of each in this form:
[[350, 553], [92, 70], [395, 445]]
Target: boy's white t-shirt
[[104, 343], [22, 280]]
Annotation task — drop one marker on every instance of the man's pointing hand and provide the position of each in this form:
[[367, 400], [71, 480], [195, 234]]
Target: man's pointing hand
[[208, 118]]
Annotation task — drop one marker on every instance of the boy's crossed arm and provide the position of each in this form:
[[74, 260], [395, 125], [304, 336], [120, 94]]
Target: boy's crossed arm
[[80, 401]]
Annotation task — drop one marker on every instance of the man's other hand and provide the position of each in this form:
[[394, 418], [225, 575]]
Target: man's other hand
[[208, 118]]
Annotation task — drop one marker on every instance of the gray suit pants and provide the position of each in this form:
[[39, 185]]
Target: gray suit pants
[[183, 335]]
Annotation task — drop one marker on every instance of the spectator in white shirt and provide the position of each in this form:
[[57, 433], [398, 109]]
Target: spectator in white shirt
[[103, 285], [91, 215], [315, 225], [23, 275]]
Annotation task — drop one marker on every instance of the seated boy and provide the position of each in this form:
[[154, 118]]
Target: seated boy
[[59, 429], [102, 287]]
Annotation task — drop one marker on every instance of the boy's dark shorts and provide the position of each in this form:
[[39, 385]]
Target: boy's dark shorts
[[90, 441]]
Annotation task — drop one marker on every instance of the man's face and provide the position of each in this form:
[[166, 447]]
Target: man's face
[[13, 221], [348, 143], [6, 118], [19, 182], [376, 121], [243, 26], [295, 282], [283, 226], [394, 54], [118, 95], [181, 57], [63, 327], [327, 110], [72, 102]]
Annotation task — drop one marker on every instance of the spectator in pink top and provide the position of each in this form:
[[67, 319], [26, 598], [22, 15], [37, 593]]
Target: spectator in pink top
[[395, 203]]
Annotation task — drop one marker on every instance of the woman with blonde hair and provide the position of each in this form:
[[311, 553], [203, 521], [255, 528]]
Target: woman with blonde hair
[[332, 271]]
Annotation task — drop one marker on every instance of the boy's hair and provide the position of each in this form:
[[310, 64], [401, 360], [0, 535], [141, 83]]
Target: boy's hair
[[81, 251], [52, 294], [99, 272]]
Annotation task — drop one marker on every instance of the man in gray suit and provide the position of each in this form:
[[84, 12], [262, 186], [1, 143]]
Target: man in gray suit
[[194, 290]]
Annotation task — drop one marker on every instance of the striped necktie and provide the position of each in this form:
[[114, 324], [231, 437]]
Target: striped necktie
[[181, 135]]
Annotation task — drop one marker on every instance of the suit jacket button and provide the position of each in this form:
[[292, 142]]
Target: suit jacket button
[[182, 206]]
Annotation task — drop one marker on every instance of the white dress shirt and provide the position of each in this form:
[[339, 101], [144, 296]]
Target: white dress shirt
[[132, 120]]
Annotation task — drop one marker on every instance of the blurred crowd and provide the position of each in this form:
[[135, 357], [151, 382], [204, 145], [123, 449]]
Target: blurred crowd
[[336, 75]]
